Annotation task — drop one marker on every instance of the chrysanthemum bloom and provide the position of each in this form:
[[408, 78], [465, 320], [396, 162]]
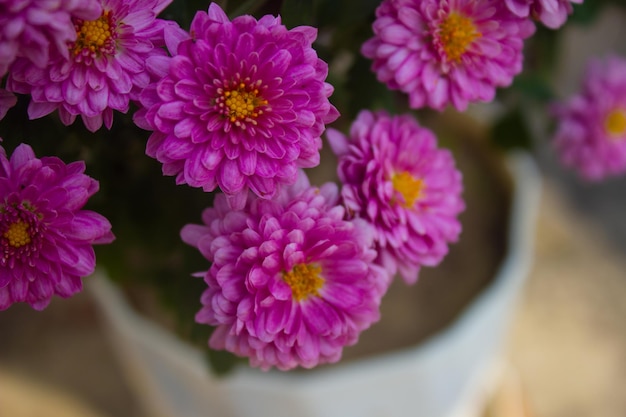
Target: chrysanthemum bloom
[[591, 132], [396, 179], [102, 70], [291, 282], [552, 13], [45, 237], [241, 106], [7, 100], [446, 51], [32, 28]]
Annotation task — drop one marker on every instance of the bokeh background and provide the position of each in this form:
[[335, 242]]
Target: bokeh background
[[566, 353]]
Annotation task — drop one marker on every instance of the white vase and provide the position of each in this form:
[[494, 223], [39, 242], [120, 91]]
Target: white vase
[[450, 375]]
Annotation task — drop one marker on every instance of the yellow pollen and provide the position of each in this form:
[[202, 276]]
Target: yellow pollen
[[304, 280], [93, 34], [410, 188], [457, 33], [17, 234], [615, 122], [242, 103]]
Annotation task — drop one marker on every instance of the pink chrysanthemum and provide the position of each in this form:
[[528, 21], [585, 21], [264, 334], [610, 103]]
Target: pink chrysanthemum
[[102, 70], [552, 13], [446, 51], [291, 282], [7, 100], [396, 179], [591, 134], [34, 28], [45, 237], [240, 106]]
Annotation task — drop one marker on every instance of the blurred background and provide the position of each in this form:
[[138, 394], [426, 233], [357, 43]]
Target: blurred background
[[566, 353]]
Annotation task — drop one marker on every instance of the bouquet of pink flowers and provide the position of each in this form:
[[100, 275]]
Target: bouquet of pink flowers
[[236, 108]]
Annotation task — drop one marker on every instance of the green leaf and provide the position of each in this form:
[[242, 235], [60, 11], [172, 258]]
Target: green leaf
[[366, 92], [221, 361], [542, 51], [183, 11], [533, 86], [246, 7], [340, 14], [298, 12], [511, 132], [586, 12]]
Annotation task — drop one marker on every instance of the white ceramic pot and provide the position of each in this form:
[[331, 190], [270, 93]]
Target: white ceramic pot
[[450, 375]]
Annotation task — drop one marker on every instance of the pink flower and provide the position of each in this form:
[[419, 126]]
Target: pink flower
[[291, 282], [7, 100], [395, 178], [45, 237], [240, 106], [102, 70], [446, 51], [34, 28], [591, 132], [552, 13]]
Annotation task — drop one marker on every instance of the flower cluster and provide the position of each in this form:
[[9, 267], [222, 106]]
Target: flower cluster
[[591, 134], [238, 108], [46, 237], [34, 30], [552, 13], [294, 277], [98, 63], [291, 281], [444, 52], [396, 178], [241, 106]]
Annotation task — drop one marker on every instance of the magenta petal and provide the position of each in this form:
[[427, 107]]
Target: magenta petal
[[231, 180], [68, 287], [196, 98], [92, 123], [7, 100], [237, 201], [98, 99], [47, 196], [380, 146], [277, 318], [583, 140], [5, 277], [158, 65], [247, 163], [410, 53], [88, 226], [271, 317], [173, 111], [318, 316], [87, 83], [191, 234], [5, 298], [217, 14], [337, 140], [37, 110]]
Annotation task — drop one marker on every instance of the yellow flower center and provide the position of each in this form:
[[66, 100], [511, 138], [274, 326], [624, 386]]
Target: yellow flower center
[[241, 103], [410, 188], [615, 122], [457, 33], [304, 280], [93, 35], [17, 234]]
